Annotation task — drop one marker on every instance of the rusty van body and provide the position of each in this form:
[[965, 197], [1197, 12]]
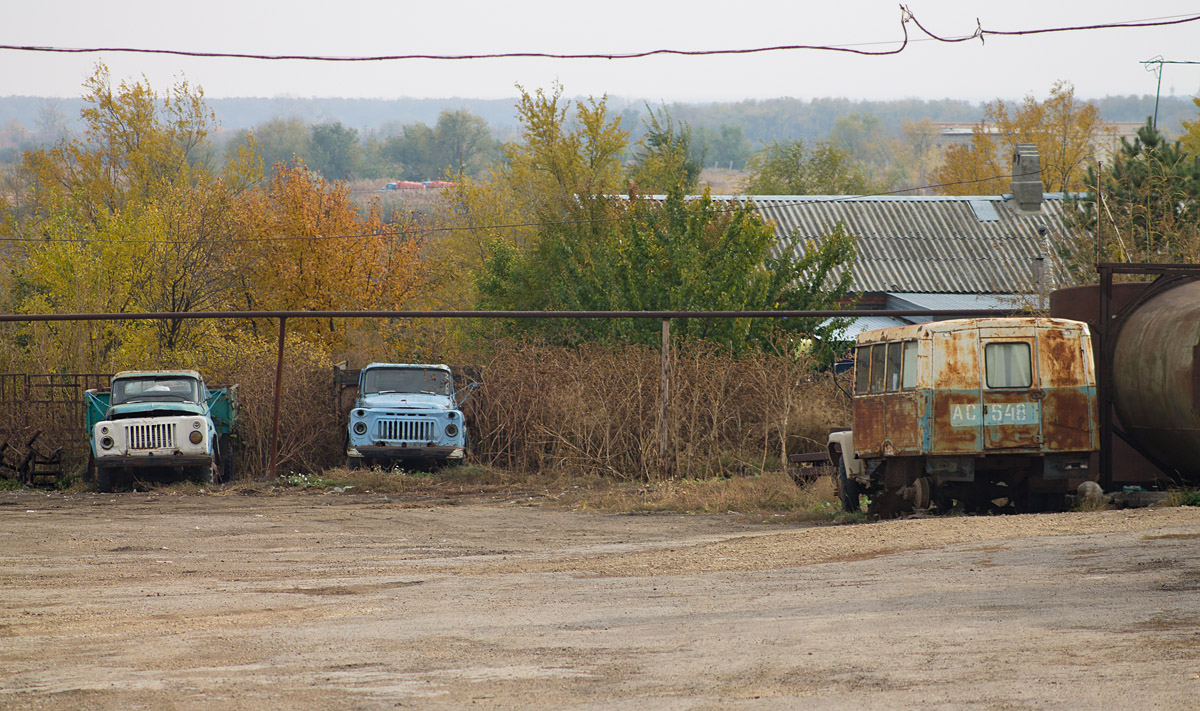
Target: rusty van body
[[975, 413]]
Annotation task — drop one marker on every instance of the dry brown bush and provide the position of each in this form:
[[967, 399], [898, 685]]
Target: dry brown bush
[[310, 430], [595, 410], [571, 412]]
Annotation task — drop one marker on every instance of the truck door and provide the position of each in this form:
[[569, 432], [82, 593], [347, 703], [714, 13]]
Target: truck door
[[957, 403], [1011, 392]]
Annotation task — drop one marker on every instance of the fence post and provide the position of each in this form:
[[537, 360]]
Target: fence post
[[666, 389], [278, 389]]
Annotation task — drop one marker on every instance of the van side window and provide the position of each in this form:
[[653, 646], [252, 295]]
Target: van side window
[[878, 355], [1008, 365], [910, 366], [862, 369], [893, 366]]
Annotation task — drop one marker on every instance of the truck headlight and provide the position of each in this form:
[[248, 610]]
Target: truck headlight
[[360, 428], [195, 437], [451, 430], [106, 442]]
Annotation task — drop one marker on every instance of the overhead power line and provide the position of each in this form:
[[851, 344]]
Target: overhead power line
[[504, 226], [906, 16]]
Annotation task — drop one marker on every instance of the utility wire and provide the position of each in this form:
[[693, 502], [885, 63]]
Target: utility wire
[[906, 15], [505, 226]]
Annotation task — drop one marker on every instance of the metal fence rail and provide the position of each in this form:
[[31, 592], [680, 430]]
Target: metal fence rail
[[54, 400]]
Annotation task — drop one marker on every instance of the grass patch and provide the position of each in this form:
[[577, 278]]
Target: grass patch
[[1089, 504], [1187, 497]]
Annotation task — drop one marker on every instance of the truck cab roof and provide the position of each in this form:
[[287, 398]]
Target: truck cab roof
[[421, 366], [157, 374]]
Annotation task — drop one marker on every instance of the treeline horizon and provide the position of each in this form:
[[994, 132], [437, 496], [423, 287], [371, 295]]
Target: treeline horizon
[[763, 120]]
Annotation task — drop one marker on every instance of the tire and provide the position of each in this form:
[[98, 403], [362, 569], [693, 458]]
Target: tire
[[225, 457], [848, 489], [104, 480], [354, 463]]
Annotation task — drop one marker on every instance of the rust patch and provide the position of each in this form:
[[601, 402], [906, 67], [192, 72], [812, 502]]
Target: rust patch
[[1068, 420], [1059, 358], [902, 416], [869, 424]]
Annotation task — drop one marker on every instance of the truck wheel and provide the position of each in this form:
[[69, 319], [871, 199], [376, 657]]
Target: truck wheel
[[225, 457], [354, 463], [848, 490], [104, 480]]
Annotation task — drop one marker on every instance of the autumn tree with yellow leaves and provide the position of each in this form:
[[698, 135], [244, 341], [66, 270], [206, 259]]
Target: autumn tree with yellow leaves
[[136, 218], [305, 247], [1065, 130]]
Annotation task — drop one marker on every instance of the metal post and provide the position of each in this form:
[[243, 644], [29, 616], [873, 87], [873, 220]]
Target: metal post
[[1099, 223], [1157, 93], [278, 391], [666, 389], [1104, 376]]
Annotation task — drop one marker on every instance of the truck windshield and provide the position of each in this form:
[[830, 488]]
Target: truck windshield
[[155, 389], [407, 380]]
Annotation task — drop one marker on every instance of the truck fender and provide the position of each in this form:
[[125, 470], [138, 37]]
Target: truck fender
[[841, 446]]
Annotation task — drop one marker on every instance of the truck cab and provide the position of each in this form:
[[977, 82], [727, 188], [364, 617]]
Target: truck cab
[[405, 413], [160, 423]]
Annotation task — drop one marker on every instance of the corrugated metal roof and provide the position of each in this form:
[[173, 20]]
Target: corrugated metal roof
[[870, 323], [906, 300], [950, 301], [947, 244]]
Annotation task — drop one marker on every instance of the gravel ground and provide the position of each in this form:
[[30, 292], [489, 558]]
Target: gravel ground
[[312, 601]]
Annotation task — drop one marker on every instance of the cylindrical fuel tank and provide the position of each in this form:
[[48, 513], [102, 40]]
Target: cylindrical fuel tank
[[1156, 377]]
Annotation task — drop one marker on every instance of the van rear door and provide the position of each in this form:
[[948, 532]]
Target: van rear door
[[1011, 390]]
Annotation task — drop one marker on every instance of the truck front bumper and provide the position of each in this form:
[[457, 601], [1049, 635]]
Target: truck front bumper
[[410, 453], [143, 461]]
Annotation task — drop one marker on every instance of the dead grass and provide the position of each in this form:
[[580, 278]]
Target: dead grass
[[596, 411], [773, 494], [770, 493]]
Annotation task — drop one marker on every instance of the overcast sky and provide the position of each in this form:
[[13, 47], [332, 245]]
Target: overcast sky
[[1098, 63]]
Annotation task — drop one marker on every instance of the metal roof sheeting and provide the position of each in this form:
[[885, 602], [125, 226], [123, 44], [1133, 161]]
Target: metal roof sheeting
[[947, 244], [869, 323]]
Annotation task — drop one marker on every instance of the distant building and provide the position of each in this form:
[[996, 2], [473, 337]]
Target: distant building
[[959, 133]]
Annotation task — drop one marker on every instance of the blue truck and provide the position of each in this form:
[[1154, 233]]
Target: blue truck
[[158, 425], [406, 414]]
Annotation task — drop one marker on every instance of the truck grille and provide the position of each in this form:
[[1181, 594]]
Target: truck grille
[[406, 430], [156, 435]]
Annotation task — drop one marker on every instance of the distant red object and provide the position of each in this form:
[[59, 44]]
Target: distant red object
[[438, 184], [409, 185]]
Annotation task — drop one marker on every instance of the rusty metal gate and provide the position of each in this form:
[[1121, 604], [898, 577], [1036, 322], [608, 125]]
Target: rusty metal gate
[[51, 402]]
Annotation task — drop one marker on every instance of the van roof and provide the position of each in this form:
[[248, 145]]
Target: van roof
[[927, 329]]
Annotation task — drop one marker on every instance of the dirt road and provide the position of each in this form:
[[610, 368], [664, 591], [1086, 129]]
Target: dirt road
[[142, 601]]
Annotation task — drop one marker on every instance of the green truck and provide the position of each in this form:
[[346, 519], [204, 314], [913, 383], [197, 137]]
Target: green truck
[[160, 425]]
